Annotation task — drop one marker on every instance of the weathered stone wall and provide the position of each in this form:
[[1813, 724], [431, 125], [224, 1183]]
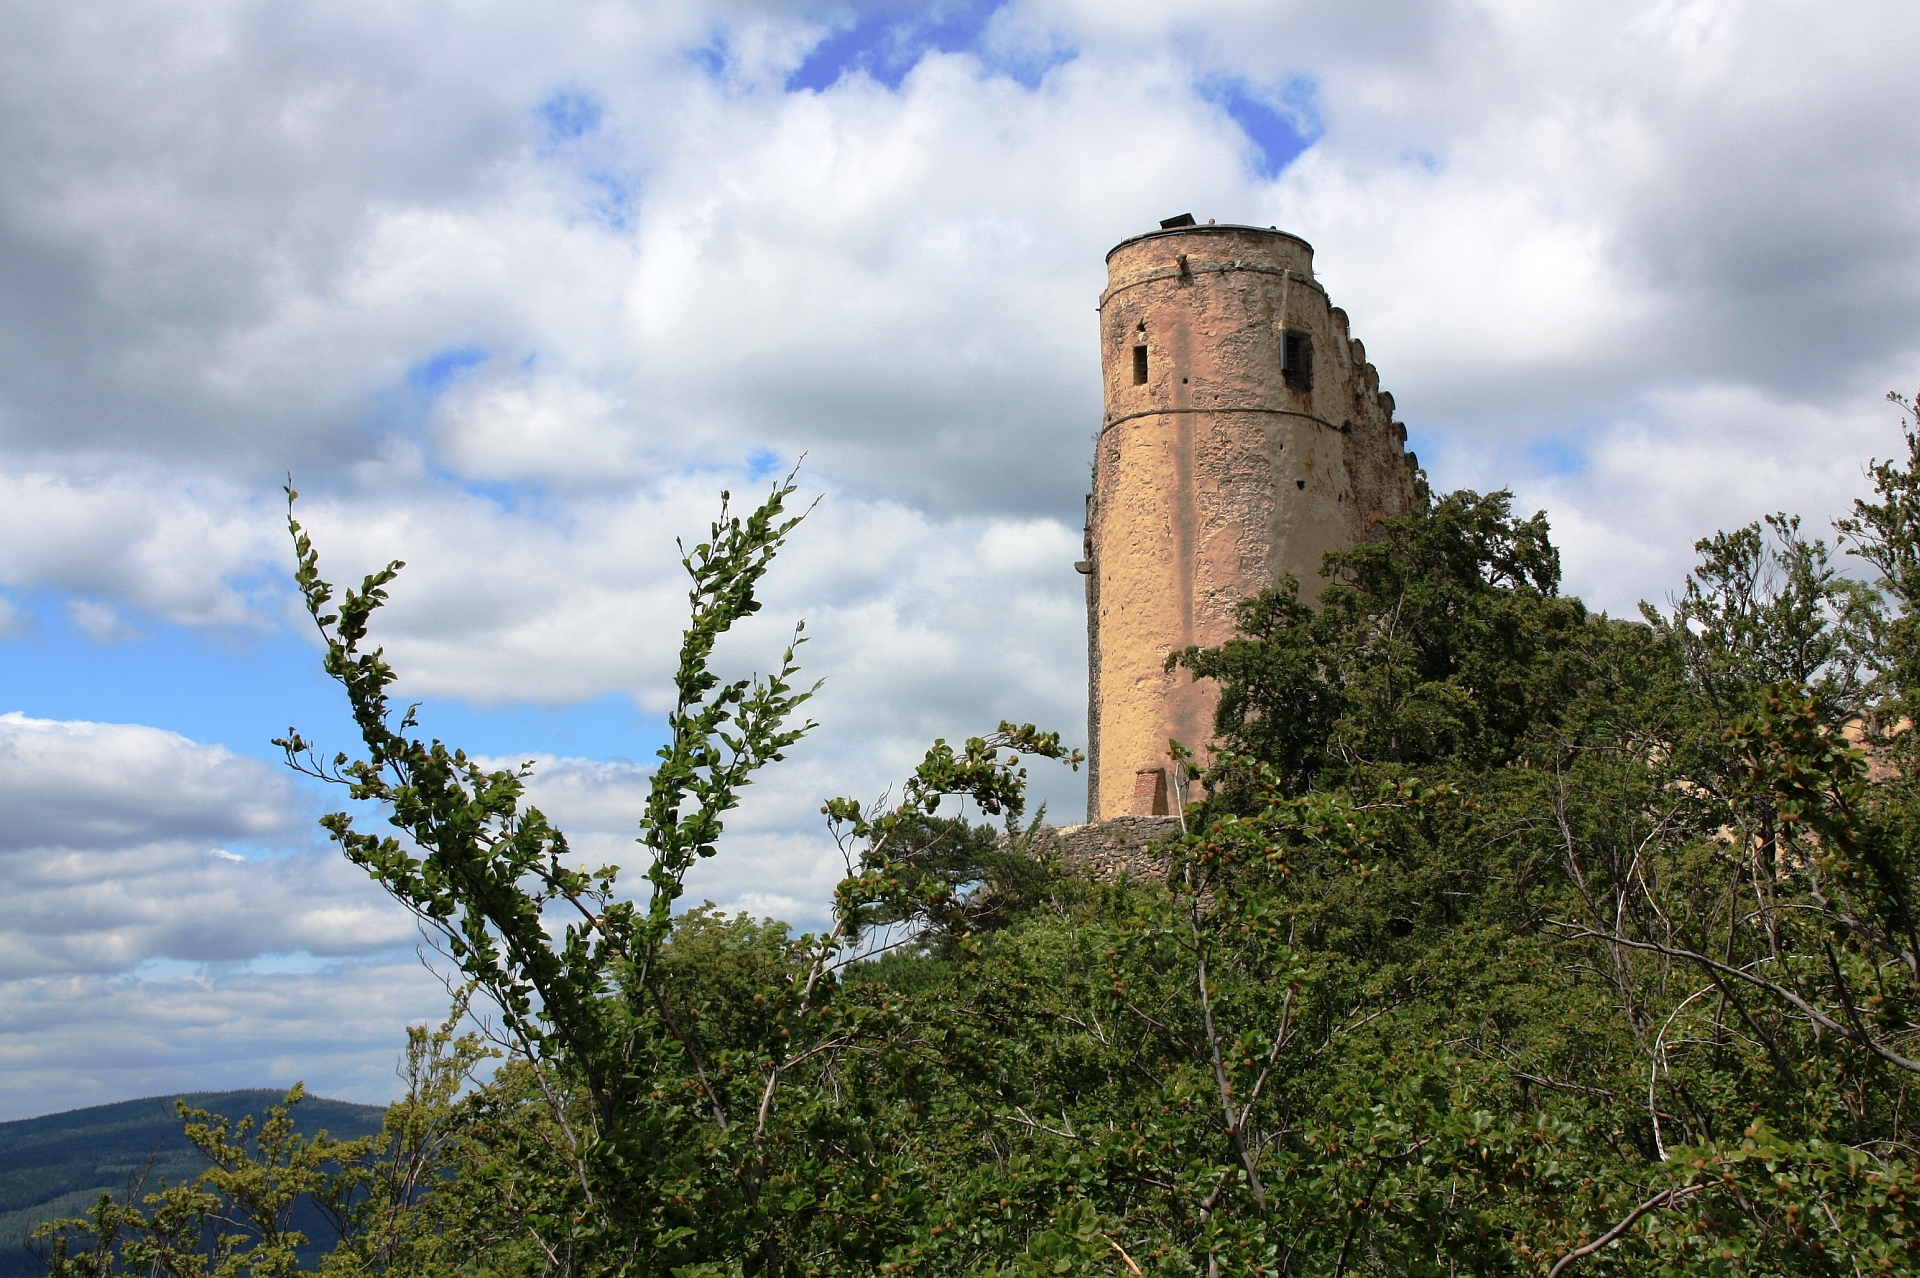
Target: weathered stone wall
[[1125, 847], [1215, 474]]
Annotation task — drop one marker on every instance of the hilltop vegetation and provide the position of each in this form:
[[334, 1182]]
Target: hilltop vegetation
[[59, 1164], [1507, 938]]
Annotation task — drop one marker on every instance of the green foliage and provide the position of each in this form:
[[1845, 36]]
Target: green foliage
[[1765, 610], [420, 1195], [1886, 535], [431, 1191], [947, 879], [58, 1166], [232, 1219], [1637, 881], [711, 1096], [1504, 938], [1441, 637]]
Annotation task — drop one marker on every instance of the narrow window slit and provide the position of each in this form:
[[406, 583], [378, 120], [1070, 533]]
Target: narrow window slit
[[1139, 366], [1296, 358]]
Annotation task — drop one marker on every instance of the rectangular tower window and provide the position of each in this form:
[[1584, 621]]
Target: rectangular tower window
[[1139, 366], [1296, 358]]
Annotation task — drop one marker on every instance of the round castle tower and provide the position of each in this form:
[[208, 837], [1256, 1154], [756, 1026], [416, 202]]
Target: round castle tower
[[1245, 436]]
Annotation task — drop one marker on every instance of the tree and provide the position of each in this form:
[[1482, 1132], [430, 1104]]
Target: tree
[[1737, 884], [1508, 938], [691, 1069]]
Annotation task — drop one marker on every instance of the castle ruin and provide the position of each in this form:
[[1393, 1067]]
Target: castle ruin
[[1245, 436]]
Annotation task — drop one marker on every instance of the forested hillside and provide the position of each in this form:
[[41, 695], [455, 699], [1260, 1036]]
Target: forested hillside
[[1504, 938], [57, 1165]]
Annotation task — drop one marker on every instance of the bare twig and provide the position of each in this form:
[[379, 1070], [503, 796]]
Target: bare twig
[[1845, 1030], [1665, 1198], [1557, 1085], [1020, 1116]]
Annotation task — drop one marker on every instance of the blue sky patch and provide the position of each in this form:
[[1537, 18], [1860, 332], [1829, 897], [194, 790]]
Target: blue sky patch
[[613, 205], [403, 407], [241, 691], [712, 57], [888, 38], [763, 463], [1027, 67], [443, 368], [1558, 456], [1280, 124], [569, 115], [297, 962], [513, 496], [575, 141]]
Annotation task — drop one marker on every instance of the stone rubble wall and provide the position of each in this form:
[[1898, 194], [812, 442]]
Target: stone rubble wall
[[1106, 851]]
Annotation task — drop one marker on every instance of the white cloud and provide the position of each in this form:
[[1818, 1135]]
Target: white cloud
[[1651, 266], [98, 911], [99, 622], [1535, 215], [1697, 462], [109, 857], [112, 866], [176, 544], [78, 1040], [14, 622], [116, 785]]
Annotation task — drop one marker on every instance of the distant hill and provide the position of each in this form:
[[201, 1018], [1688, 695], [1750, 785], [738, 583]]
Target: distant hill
[[59, 1164]]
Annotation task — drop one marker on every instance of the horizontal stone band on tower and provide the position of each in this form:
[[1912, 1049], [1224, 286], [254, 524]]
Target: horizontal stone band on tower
[[1167, 412], [1229, 269]]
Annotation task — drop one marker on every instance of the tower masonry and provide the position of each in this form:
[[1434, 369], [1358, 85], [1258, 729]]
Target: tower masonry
[[1245, 436]]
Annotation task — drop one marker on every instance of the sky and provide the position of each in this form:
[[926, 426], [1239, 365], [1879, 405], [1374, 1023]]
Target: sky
[[512, 292]]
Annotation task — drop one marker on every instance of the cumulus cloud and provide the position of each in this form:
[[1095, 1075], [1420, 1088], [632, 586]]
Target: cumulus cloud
[[15, 622], [513, 292], [132, 930], [107, 911], [178, 545], [1705, 459], [114, 786], [647, 253], [114, 855], [78, 1040], [920, 627], [888, 270]]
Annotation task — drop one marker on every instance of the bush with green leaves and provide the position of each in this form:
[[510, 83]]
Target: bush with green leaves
[[1503, 937]]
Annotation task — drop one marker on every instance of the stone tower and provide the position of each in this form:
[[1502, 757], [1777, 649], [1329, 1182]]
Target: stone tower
[[1245, 436]]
